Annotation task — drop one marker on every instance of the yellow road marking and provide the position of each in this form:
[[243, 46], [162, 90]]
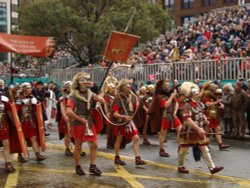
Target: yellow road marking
[[12, 177], [122, 173], [171, 167], [128, 177], [242, 182], [37, 169]]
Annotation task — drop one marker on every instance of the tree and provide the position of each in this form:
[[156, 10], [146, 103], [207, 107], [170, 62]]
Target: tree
[[90, 23]]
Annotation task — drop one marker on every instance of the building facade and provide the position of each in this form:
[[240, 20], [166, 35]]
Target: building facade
[[186, 10], [8, 20]]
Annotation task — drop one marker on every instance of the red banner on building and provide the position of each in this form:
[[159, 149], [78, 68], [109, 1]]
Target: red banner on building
[[119, 46], [28, 45]]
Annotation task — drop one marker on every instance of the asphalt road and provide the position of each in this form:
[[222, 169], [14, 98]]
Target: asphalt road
[[58, 170]]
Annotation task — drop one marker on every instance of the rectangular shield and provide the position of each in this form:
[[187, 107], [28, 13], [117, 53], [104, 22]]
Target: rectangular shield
[[40, 126], [19, 130]]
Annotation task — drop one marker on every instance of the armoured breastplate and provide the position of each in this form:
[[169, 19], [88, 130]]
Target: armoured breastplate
[[126, 105], [149, 100], [111, 99], [80, 109], [198, 114], [2, 114], [167, 112], [213, 111], [26, 112]]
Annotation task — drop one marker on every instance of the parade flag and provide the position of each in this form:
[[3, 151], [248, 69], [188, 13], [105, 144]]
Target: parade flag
[[119, 46], [28, 45]]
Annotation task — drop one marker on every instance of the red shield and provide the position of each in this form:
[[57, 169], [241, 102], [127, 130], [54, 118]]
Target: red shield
[[40, 126], [19, 130]]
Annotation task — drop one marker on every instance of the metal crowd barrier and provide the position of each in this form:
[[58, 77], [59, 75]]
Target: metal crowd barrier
[[224, 69]]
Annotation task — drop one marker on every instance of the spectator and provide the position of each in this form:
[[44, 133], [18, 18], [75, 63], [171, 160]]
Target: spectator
[[239, 106], [50, 106], [40, 93], [227, 115], [248, 106], [241, 82]]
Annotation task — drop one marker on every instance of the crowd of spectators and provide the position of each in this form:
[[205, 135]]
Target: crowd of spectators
[[218, 34], [31, 67]]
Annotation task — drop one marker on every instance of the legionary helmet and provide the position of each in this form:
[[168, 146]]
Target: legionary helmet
[[66, 87], [111, 88], [25, 85], [81, 81], [190, 90], [162, 86], [151, 88], [124, 86]]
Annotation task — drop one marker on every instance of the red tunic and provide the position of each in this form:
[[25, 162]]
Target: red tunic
[[29, 126], [78, 131], [4, 131], [213, 122], [121, 130], [166, 123], [63, 127]]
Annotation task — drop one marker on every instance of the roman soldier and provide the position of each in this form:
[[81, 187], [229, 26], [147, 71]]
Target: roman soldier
[[63, 120], [163, 112], [191, 112], [5, 113], [140, 116], [27, 114], [79, 109], [147, 100], [212, 98], [142, 92], [109, 97], [123, 110]]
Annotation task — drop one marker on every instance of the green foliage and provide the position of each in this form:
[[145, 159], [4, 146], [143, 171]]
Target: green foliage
[[91, 22]]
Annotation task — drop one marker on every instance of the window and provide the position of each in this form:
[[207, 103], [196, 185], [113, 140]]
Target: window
[[208, 2], [186, 4], [14, 21], [14, 8], [3, 17], [229, 1], [169, 3], [3, 26], [186, 19], [3, 4]]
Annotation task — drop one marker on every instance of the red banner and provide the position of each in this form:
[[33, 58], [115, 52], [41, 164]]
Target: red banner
[[28, 45], [119, 46]]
